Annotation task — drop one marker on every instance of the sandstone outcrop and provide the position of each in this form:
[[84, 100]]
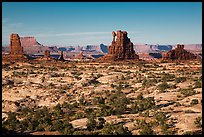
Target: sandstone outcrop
[[15, 44], [121, 47], [16, 52], [179, 53]]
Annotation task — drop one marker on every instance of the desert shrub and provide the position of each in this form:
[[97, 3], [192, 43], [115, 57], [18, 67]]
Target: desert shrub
[[57, 125], [180, 79], [194, 102], [98, 100], [187, 92], [67, 129], [165, 129], [105, 110], [177, 104], [82, 100], [145, 128], [189, 111], [160, 117], [101, 122], [168, 77], [79, 115], [91, 123], [57, 111], [111, 129], [11, 123], [198, 122], [163, 86], [118, 102], [197, 84], [142, 104], [148, 82]]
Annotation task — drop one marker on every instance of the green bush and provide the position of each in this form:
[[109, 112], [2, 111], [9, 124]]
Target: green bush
[[188, 92], [118, 102], [163, 86], [194, 102], [198, 122], [145, 128], [197, 84], [91, 123], [142, 104], [180, 79], [111, 129]]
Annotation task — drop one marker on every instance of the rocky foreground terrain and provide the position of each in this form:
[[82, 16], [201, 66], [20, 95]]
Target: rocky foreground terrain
[[102, 98]]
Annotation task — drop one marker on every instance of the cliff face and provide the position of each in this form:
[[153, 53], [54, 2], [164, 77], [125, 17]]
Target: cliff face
[[121, 48]]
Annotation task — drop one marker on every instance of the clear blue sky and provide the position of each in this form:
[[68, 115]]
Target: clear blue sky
[[82, 23]]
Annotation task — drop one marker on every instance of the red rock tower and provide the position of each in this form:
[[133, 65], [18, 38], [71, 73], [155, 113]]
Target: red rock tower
[[15, 45], [121, 48]]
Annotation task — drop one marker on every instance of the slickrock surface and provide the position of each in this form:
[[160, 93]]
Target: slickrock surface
[[37, 84]]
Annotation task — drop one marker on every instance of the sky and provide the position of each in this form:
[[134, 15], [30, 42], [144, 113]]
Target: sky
[[92, 23]]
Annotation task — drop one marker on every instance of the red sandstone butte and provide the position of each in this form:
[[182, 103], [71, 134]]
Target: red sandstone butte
[[121, 48], [179, 53]]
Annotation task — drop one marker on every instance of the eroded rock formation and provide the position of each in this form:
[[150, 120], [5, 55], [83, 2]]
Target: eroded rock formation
[[121, 47], [61, 58], [15, 45], [16, 52], [179, 53]]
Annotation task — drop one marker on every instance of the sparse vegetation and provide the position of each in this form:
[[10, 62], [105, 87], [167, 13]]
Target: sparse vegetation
[[198, 122], [104, 98], [194, 102]]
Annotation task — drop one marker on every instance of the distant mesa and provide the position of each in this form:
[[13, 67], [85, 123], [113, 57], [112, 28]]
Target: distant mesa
[[179, 53], [46, 57], [29, 41], [82, 56], [121, 47]]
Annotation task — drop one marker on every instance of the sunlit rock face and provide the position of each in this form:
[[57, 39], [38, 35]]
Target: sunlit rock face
[[179, 53], [121, 47]]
